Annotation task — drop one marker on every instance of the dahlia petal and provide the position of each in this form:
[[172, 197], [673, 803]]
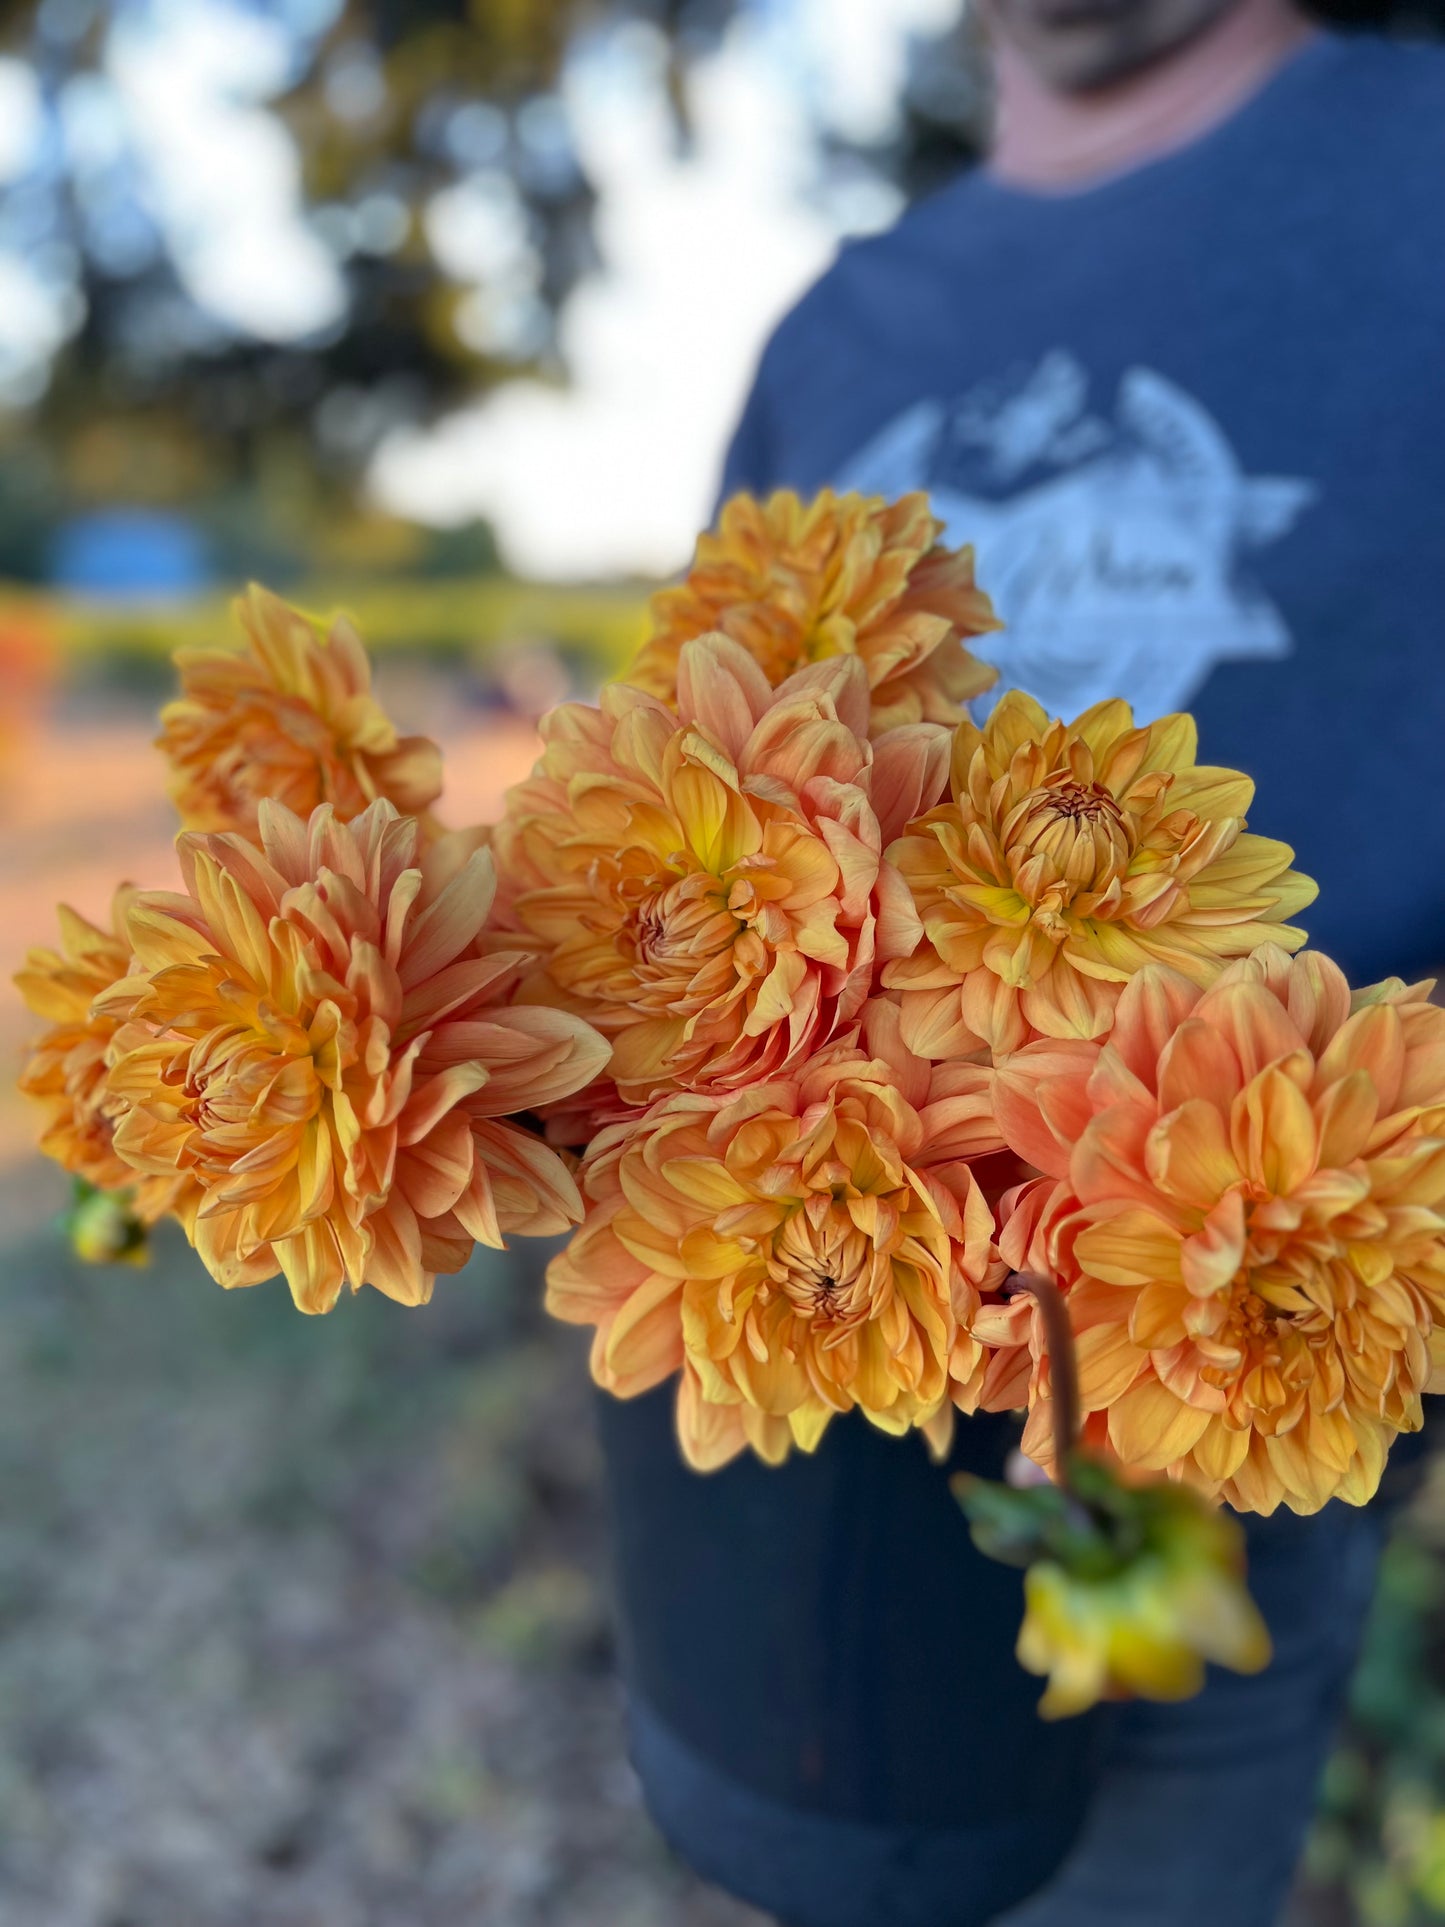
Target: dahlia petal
[[435, 1172], [1255, 1023], [1151, 1010], [1273, 1133], [644, 1339], [313, 1268], [1131, 1248], [429, 1102], [1151, 1429], [536, 1194], [1198, 1062], [1040, 1101], [1371, 1041], [1345, 1115], [1157, 1320], [532, 1055], [475, 1207], [1109, 1363], [441, 931], [721, 688], [710, 1434], [395, 1266], [1187, 1154], [910, 775]]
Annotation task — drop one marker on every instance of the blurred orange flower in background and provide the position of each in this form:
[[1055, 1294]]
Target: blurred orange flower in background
[[796, 582], [1250, 1223], [66, 1066], [291, 717], [1070, 856], [314, 1044], [810, 1246], [708, 888]]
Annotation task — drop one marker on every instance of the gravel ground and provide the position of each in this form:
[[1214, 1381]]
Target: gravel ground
[[303, 1622]]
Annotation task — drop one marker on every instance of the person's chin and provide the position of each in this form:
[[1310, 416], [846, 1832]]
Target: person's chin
[[1090, 45]]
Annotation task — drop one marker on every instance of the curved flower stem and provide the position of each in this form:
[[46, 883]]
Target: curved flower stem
[[1063, 1362]]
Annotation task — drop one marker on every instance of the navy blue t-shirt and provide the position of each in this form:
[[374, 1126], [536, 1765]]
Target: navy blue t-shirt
[[1193, 420]]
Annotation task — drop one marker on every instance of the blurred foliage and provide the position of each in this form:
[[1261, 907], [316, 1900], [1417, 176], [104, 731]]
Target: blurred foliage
[[1378, 1850], [440, 176], [510, 629]]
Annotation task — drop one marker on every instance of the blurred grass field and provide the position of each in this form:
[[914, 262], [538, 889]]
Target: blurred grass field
[[302, 1622]]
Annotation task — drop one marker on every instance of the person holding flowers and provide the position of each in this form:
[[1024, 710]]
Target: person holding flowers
[[1114, 358], [916, 1069]]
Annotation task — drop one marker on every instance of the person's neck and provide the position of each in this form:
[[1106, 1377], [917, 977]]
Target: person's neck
[[1056, 141]]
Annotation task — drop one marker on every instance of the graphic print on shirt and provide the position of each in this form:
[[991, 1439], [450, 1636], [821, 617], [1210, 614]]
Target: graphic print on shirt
[[1116, 551]]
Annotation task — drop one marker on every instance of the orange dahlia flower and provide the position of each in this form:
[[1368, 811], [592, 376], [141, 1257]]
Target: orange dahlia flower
[[314, 1044], [290, 717], [1249, 1221], [1070, 856], [842, 575], [812, 1245], [708, 888], [65, 1070]]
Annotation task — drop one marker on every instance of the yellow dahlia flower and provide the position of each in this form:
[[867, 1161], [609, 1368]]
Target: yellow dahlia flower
[[314, 1044], [1250, 1226], [290, 717], [812, 1245], [65, 1070], [842, 575], [1070, 856], [1141, 1623], [708, 888]]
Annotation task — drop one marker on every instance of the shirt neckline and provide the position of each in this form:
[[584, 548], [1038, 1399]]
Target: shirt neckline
[[1142, 178]]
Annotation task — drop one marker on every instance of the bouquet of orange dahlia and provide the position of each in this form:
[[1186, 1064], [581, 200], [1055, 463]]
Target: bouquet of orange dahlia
[[884, 1060]]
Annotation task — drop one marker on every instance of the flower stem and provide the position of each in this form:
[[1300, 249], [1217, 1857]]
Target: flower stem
[[1063, 1362]]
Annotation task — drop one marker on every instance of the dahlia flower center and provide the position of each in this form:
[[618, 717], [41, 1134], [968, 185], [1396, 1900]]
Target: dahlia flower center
[[1248, 1325], [1070, 835], [822, 1264], [672, 930], [692, 938], [246, 1091]]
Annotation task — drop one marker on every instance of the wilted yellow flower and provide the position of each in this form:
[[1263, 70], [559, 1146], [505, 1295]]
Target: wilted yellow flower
[[1249, 1224], [1142, 1623], [290, 717], [314, 1043], [65, 1070], [708, 887], [1072, 855], [841, 575], [104, 1229], [812, 1245]]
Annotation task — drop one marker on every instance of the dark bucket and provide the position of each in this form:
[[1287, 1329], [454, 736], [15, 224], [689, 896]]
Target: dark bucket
[[825, 1708]]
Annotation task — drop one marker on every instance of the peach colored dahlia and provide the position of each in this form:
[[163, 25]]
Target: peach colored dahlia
[[708, 888], [313, 1042], [810, 1245], [290, 717], [841, 575], [1249, 1222], [66, 1071], [1070, 856]]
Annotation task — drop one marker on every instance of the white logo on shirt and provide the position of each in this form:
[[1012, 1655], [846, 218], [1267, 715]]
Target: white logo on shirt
[[1123, 573]]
